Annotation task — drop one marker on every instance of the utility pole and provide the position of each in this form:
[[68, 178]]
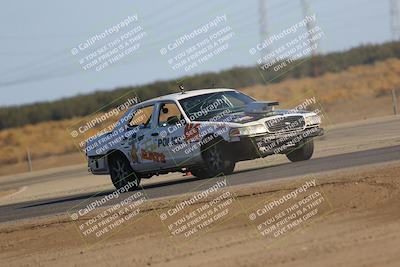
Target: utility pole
[[313, 43], [395, 19], [28, 157], [394, 101], [263, 24]]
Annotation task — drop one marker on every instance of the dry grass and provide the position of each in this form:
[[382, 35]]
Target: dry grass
[[43, 139], [360, 83], [357, 93]]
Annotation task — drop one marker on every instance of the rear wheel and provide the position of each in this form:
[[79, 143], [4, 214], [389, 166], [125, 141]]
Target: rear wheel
[[302, 152], [216, 162], [122, 173]]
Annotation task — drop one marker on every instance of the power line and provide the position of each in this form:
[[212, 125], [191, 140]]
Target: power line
[[62, 70], [53, 64]]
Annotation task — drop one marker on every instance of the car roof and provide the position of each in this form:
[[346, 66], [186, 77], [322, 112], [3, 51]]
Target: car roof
[[186, 94]]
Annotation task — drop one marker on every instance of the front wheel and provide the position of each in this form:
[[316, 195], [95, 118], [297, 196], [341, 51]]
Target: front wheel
[[122, 174], [302, 152], [216, 162]]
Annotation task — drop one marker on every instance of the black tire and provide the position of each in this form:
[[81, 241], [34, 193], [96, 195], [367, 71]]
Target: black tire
[[122, 173], [216, 162], [302, 152], [199, 173]]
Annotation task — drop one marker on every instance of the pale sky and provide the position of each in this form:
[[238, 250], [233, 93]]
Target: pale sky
[[37, 37]]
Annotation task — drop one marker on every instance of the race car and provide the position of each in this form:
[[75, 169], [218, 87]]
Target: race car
[[204, 132]]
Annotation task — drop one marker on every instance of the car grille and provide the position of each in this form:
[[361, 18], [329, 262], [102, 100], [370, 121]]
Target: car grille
[[285, 124]]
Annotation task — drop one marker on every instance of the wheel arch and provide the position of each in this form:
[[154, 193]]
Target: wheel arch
[[113, 153], [215, 140]]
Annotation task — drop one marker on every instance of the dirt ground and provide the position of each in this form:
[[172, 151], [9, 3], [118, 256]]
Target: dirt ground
[[359, 226]]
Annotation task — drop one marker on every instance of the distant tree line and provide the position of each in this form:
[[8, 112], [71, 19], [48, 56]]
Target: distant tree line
[[81, 105]]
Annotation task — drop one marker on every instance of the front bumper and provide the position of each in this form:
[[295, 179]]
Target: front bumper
[[270, 144], [279, 144]]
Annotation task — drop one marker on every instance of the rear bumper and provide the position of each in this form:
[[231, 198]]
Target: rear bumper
[[98, 165], [270, 144]]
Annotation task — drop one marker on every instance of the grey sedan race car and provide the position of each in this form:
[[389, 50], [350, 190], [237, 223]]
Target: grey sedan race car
[[205, 132]]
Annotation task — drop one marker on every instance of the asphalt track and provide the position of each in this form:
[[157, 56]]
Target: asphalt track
[[188, 184]]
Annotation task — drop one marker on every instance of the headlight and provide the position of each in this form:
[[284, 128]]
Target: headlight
[[248, 130], [311, 120]]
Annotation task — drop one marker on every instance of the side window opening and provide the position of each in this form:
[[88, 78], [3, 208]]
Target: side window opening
[[169, 115], [142, 116]]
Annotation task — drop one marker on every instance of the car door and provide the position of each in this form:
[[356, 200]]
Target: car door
[[142, 147], [169, 135]]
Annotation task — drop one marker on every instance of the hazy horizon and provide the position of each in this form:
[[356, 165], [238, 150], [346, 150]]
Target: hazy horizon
[[38, 66]]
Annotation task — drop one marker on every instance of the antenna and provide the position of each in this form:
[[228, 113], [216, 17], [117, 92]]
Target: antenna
[[182, 88]]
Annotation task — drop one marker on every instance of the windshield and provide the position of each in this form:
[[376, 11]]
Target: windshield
[[204, 107]]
